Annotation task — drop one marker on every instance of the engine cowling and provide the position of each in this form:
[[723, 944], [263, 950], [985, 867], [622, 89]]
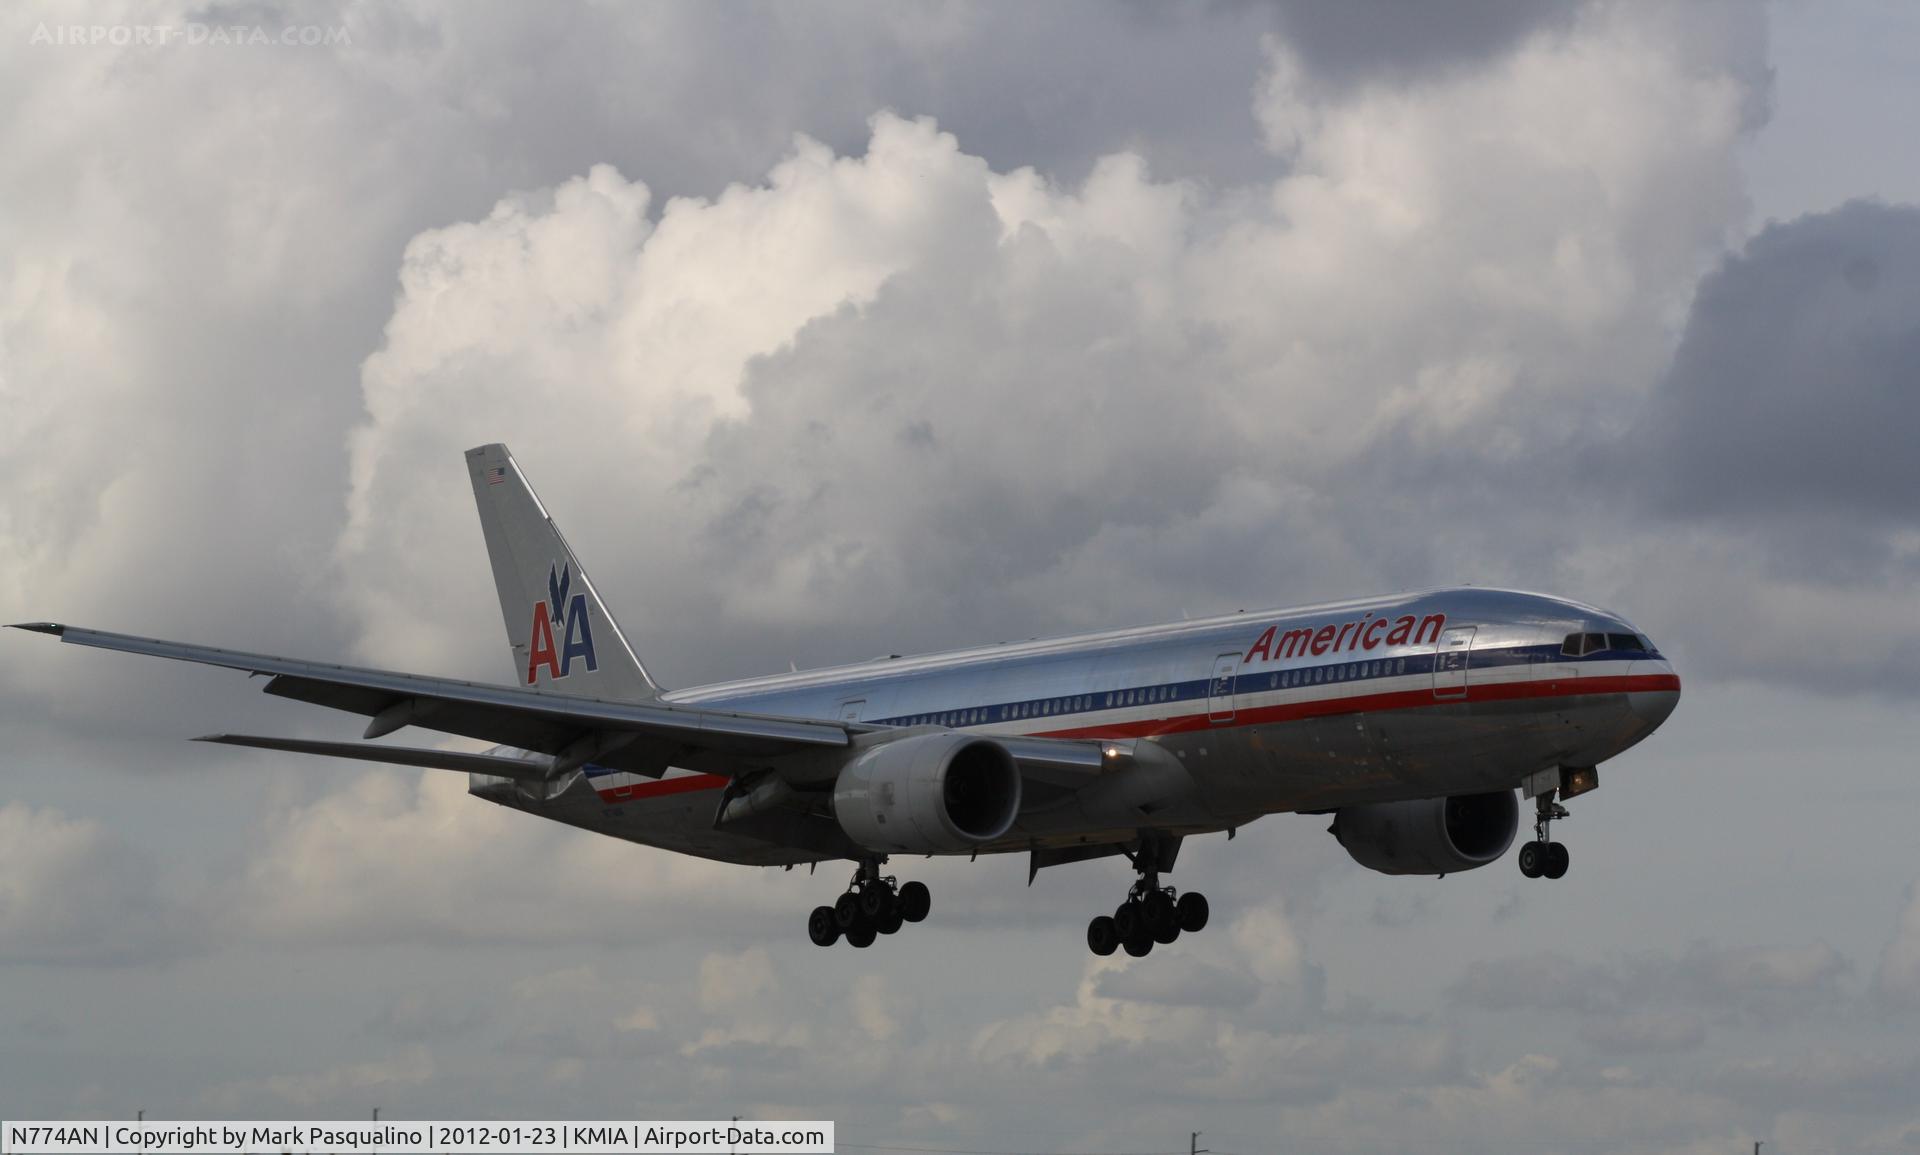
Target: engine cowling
[[928, 794], [1429, 835]]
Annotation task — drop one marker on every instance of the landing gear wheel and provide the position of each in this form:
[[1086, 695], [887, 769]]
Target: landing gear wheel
[[915, 901], [1557, 860], [1533, 860], [1161, 915], [821, 926], [891, 921], [846, 911], [1152, 914], [1192, 911], [860, 936], [1102, 938], [874, 900]]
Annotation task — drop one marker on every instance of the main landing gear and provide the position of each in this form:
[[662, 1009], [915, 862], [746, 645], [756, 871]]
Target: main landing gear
[[871, 906], [1152, 913], [1543, 857]]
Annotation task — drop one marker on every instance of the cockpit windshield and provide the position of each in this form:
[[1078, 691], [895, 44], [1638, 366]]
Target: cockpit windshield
[[1580, 645]]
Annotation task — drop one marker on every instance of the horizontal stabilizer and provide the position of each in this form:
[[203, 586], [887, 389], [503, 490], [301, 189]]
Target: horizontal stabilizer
[[498, 765]]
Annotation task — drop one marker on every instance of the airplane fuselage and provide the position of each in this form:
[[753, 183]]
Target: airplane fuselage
[[1446, 692]]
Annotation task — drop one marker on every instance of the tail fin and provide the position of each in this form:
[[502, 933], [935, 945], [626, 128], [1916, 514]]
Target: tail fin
[[560, 630]]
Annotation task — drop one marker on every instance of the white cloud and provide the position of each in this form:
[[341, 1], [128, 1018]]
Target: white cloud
[[780, 407]]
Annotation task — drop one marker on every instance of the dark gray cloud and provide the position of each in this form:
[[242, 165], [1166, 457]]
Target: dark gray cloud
[[1796, 386], [1356, 42]]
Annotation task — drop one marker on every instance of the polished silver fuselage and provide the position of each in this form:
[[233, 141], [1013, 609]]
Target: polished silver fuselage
[[1460, 691]]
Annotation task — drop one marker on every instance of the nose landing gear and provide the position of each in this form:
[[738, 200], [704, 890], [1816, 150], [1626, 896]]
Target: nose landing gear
[[872, 906], [1543, 857]]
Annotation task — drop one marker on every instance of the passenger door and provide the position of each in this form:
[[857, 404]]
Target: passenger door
[[1220, 688], [1452, 655]]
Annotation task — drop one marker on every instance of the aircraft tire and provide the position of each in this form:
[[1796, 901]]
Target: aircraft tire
[[1166, 934], [874, 901], [1138, 945], [890, 922], [1533, 860], [846, 911], [822, 927], [1128, 921], [1161, 916], [1102, 938], [915, 901], [860, 937], [1557, 860], [1193, 911]]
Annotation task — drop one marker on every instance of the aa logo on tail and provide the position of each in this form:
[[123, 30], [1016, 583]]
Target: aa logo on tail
[[566, 618]]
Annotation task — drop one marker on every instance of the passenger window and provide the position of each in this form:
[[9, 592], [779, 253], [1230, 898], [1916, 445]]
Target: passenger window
[[1400, 666]]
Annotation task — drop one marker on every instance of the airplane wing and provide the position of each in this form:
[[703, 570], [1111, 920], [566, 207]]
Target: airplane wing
[[499, 765], [639, 737], [643, 738]]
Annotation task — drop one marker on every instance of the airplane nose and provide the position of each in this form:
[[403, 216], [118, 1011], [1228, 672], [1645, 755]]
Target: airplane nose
[[1656, 704]]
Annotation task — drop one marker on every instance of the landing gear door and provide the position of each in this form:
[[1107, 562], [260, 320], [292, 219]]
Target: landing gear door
[[1220, 688], [1451, 657]]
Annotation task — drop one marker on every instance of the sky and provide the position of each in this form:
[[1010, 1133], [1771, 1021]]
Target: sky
[[830, 330]]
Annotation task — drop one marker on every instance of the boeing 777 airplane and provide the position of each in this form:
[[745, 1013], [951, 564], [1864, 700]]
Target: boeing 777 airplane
[[1417, 722]]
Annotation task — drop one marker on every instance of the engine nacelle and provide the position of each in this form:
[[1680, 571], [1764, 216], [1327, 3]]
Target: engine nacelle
[[1429, 835], [928, 794]]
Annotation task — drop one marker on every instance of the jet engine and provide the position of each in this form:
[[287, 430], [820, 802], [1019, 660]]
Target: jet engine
[[928, 794], [1428, 835]]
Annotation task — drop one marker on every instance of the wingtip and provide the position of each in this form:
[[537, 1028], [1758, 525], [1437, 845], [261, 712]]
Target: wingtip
[[224, 739], [54, 628]]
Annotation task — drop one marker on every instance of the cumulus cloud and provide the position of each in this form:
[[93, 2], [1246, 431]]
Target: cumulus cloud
[[804, 390]]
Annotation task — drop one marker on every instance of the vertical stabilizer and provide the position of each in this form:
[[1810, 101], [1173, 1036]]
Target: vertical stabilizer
[[561, 633]]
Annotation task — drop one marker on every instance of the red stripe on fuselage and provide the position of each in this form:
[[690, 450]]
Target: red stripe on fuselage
[[1373, 703], [1260, 716]]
